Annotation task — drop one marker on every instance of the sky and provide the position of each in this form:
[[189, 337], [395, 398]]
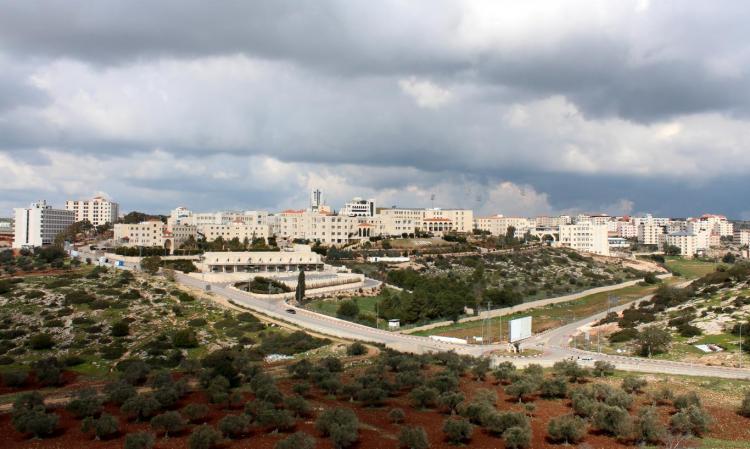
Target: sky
[[519, 108]]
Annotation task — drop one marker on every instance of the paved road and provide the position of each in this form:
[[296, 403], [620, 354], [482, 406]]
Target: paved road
[[554, 343]]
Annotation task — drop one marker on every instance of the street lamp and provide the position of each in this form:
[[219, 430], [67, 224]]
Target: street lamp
[[741, 345]]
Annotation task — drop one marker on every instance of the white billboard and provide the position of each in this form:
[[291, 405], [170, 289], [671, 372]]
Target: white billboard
[[520, 328]]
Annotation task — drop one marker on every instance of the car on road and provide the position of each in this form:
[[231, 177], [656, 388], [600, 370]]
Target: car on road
[[292, 311], [587, 358]]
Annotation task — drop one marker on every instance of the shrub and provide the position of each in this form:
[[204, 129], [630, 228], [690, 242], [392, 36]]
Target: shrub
[[48, 371], [745, 407], [684, 401], [120, 329], [396, 415], [423, 397], [692, 420], [555, 387], [196, 412], [298, 406], [688, 330], [520, 388], [297, 440], [498, 422], [341, 425], [633, 384], [103, 427], [457, 430], [133, 371], [413, 438], [621, 336], [567, 429], [139, 440], [648, 428], [603, 369], [572, 370], [301, 388], [119, 392], [140, 407], [30, 416], [348, 309], [234, 426], [273, 418], [450, 400], [504, 372], [662, 396], [356, 348], [85, 403], [204, 437], [41, 342], [612, 420], [15, 379], [185, 338], [169, 422], [517, 437]]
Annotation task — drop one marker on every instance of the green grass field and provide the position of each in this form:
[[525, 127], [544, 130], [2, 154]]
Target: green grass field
[[690, 268]]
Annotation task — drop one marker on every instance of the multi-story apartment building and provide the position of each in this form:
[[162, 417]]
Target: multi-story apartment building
[[742, 237], [711, 223], [39, 224], [153, 233], [399, 221], [685, 241], [650, 233], [359, 207], [585, 236], [626, 229], [236, 229], [98, 210], [498, 224]]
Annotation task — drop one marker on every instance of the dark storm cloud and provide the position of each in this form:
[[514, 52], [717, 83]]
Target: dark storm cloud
[[599, 68], [574, 99]]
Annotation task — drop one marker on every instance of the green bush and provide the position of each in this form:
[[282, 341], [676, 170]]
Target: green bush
[[120, 329], [498, 422], [632, 384], [85, 403], [185, 338], [692, 420], [686, 400], [29, 415], [603, 369], [297, 440], [648, 427], [140, 407], [745, 407], [119, 392], [612, 420], [517, 437], [103, 427], [356, 348], [396, 415], [41, 342], [556, 387], [423, 397], [15, 379], [234, 426], [567, 429], [339, 424], [196, 412], [413, 438], [457, 431], [204, 437], [170, 423], [139, 440]]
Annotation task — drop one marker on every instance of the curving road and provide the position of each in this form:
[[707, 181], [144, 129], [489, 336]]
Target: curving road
[[555, 343]]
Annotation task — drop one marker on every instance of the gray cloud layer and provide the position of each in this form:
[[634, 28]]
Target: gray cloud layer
[[380, 97]]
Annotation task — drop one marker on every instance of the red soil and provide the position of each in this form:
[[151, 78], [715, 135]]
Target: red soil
[[376, 430]]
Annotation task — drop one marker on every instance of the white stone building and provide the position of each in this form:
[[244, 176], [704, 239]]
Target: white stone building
[[742, 236], [498, 225], [39, 224], [98, 210], [359, 207], [585, 236], [153, 233], [300, 257], [685, 241]]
